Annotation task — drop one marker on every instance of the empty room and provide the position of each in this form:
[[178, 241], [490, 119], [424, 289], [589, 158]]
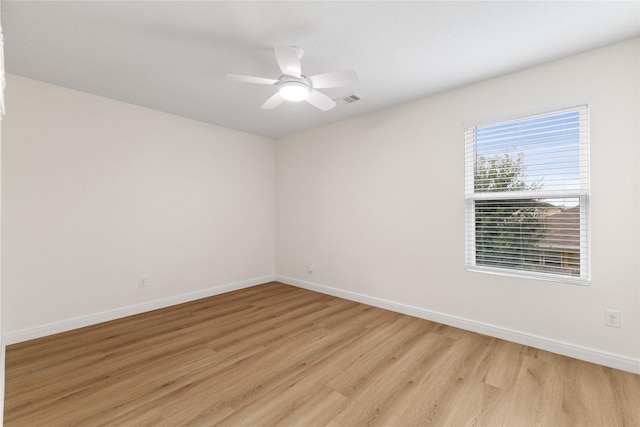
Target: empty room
[[320, 213]]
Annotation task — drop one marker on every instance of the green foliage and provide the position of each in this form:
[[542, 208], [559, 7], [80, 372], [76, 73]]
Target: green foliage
[[507, 231], [502, 173]]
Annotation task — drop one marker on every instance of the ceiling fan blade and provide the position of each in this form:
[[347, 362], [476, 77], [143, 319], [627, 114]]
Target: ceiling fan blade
[[273, 102], [320, 100], [334, 79], [251, 79], [288, 60]]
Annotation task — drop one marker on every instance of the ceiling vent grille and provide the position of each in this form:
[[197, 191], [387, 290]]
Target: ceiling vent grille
[[349, 99]]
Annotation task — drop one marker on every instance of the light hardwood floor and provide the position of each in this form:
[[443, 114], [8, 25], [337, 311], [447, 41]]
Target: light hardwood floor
[[279, 355]]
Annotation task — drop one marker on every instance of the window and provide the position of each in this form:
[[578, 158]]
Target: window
[[527, 196]]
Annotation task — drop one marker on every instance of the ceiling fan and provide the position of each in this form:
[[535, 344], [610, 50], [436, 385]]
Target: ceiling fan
[[294, 86]]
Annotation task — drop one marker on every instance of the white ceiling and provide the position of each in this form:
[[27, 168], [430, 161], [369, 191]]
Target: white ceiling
[[173, 56]]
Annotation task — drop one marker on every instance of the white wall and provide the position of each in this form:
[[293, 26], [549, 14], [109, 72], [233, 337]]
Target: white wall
[[96, 192], [377, 203], [2, 344]]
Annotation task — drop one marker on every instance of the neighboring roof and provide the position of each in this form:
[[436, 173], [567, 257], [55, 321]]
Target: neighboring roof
[[563, 230]]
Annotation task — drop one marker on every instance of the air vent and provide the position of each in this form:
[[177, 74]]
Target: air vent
[[349, 99]]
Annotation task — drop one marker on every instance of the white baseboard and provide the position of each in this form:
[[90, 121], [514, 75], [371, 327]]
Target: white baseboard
[[565, 349], [105, 316]]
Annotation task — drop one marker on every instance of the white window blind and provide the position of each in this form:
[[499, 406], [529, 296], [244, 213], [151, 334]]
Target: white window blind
[[527, 196]]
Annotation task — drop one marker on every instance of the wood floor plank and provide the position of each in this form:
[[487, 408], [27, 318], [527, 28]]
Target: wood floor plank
[[375, 395], [275, 355], [503, 364], [370, 360], [625, 395], [440, 384], [527, 403]]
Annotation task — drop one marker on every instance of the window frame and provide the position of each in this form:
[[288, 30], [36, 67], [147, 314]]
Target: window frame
[[582, 194]]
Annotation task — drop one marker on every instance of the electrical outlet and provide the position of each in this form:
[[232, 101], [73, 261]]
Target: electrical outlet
[[142, 282], [310, 268], [612, 318]]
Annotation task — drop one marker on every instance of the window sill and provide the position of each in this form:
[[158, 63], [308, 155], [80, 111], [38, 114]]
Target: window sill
[[549, 277]]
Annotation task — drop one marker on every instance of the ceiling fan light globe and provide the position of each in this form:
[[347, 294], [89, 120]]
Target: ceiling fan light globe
[[294, 91]]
